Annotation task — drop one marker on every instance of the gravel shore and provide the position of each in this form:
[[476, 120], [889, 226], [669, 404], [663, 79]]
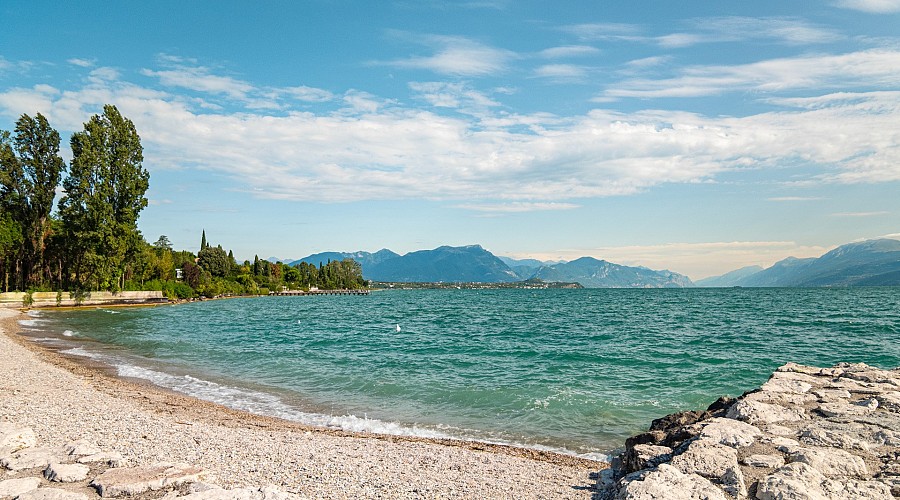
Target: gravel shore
[[63, 400]]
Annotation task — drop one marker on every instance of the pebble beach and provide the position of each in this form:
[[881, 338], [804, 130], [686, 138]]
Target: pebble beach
[[63, 401]]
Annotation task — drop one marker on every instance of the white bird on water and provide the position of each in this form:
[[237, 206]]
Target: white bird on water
[[398, 327]]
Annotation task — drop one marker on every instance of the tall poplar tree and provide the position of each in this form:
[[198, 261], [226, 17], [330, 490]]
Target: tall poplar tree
[[30, 170], [104, 197]]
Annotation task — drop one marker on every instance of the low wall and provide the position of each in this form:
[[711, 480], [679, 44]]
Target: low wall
[[53, 299]]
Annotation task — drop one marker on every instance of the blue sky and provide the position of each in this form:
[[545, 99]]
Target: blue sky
[[695, 136]]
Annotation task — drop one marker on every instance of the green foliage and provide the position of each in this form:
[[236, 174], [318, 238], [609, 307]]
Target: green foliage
[[27, 299], [30, 170], [263, 291], [215, 260], [104, 197]]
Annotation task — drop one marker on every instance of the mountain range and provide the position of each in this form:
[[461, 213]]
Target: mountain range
[[866, 263], [475, 264]]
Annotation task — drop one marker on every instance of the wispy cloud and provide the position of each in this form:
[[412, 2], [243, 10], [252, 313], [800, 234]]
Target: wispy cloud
[[458, 56], [865, 68], [518, 207], [453, 95], [742, 29], [795, 198], [84, 63], [859, 214], [367, 147], [729, 29], [568, 51], [871, 6], [561, 72]]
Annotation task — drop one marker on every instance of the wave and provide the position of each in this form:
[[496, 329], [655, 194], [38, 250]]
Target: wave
[[31, 322], [262, 403]]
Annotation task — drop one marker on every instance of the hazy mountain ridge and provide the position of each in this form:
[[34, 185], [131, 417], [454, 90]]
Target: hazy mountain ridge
[[866, 263], [468, 263], [730, 278], [594, 273], [475, 264]]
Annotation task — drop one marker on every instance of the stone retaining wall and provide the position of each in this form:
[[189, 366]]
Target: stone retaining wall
[[69, 299]]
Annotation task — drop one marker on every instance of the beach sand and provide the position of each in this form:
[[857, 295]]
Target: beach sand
[[63, 399]]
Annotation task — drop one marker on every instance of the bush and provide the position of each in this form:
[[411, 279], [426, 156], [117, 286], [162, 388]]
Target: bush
[[263, 291]]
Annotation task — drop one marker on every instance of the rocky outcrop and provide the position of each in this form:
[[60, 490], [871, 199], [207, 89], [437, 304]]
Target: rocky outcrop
[[807, 433], [79, 470]]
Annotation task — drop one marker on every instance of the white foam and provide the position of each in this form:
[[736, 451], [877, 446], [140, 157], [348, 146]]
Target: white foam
[[80, 351], [68, 333], [35, 313], [31, 322]]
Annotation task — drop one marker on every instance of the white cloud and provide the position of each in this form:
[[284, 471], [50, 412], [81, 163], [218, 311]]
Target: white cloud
[[561, 72], [859, 214], [604, 31], [309, 94], [518, 207], [84, 63], [372, 148], [729, 29], [872, 6], [742, 29], [453, 95], [795, 198], [460, 56], [201, 80], [879, 68], [567, 51]]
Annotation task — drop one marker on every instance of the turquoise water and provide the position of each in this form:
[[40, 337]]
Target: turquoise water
[[571, 370]]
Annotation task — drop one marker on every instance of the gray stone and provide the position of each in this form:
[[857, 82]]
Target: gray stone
[[866, 490], [11, 488], [889, 401], [789, 382], [66, 473], [670, 483], [818, 436], [785, 445], [81, 447], [136, 480], [779, 430], [796, 481], [832, 394], [730, 432], [767, 461], [643, 456], [755, 412], [13, 438], [30, 458], [842, 410], [51, 494], [831, 462], [112, 459], [714, 461], [797, 368]]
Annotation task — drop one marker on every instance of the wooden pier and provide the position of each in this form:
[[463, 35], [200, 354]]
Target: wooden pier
[[361, 291]]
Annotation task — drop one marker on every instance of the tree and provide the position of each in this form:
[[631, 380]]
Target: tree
[[163, 243], [104, 197], [30, 170], [215, 260], [203, 244]]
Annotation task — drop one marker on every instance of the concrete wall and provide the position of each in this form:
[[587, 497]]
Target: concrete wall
[[49, 299]]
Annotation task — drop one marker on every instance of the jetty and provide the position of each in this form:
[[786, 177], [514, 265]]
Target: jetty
[[345, 291]]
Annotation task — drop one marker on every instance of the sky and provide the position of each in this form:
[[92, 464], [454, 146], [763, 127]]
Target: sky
[[694, 136]]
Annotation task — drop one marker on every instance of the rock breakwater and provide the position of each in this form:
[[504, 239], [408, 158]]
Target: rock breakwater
[[807, 433]]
